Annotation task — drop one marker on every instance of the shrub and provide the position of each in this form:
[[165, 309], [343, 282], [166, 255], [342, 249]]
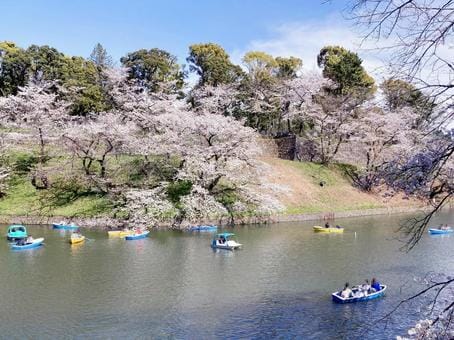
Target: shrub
[[24, 162], [178, 189]]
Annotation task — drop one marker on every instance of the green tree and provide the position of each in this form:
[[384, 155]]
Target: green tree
[[345, 69], [82, 78], [14, 66], [103, 61], [100, 57], [46, 63], [288, 67], [399, 93], [212, 63], [154, 67], [262, 67]]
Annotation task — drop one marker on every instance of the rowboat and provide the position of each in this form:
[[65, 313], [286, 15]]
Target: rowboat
[[76, 239], [359, 297], [319, 229], [436, 231], [30, 245], [119, 233], [62, 226], [16, 232], [203, 228], [137, 235], [224, 241]]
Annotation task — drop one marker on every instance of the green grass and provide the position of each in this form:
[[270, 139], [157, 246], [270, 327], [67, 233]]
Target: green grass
[[85, 207], [23, 200], [331, 176], [314, 209]]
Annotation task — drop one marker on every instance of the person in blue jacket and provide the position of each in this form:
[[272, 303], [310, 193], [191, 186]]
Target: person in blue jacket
[[375, 285]]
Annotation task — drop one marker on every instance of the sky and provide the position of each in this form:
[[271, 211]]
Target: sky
[[280, 27]]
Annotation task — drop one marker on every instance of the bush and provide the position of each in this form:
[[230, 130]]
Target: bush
[[24, 163], [178, 189], [227, 198]]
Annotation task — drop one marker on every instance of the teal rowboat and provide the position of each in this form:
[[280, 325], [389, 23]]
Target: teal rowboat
[[16, 232]]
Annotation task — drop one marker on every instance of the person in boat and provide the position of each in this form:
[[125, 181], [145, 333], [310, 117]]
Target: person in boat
[[21, 242], [375, 285], [365, 287], [30, 239], [327, 225], [346, 292], [338, 226], [222, 240]]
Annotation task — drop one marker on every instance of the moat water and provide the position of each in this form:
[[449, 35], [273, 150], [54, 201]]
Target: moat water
[[173, 285]]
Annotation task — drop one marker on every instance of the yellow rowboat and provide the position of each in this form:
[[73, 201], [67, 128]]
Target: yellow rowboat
[[120, 233], [76, 239], [319, 229]]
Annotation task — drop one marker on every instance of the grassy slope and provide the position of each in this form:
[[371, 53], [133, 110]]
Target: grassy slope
[[305, 195], [23, 200]]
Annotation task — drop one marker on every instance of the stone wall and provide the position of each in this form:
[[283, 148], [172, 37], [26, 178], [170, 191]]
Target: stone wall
[[286, 147], [106, 223]]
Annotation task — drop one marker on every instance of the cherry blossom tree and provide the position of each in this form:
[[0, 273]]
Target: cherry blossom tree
[[36, 107], [94, 139], [222, 99], [379, 136], [314, 114], [216, 154]]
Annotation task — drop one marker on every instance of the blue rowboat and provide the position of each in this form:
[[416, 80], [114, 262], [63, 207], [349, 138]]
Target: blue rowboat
[[204, 228], [435, 231], [137, 236], [339, 299], [61, 226], [34, 244], [16, 232]]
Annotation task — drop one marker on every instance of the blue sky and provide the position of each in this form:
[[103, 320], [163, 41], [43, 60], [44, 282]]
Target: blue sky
[[122, 26]]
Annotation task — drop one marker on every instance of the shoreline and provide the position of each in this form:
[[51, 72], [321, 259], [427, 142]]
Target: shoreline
[[103, 223]]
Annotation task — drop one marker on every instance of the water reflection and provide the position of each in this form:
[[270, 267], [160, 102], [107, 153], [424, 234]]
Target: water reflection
[[76, 248]]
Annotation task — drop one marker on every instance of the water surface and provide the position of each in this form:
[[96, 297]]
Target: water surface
[[173, 285]]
